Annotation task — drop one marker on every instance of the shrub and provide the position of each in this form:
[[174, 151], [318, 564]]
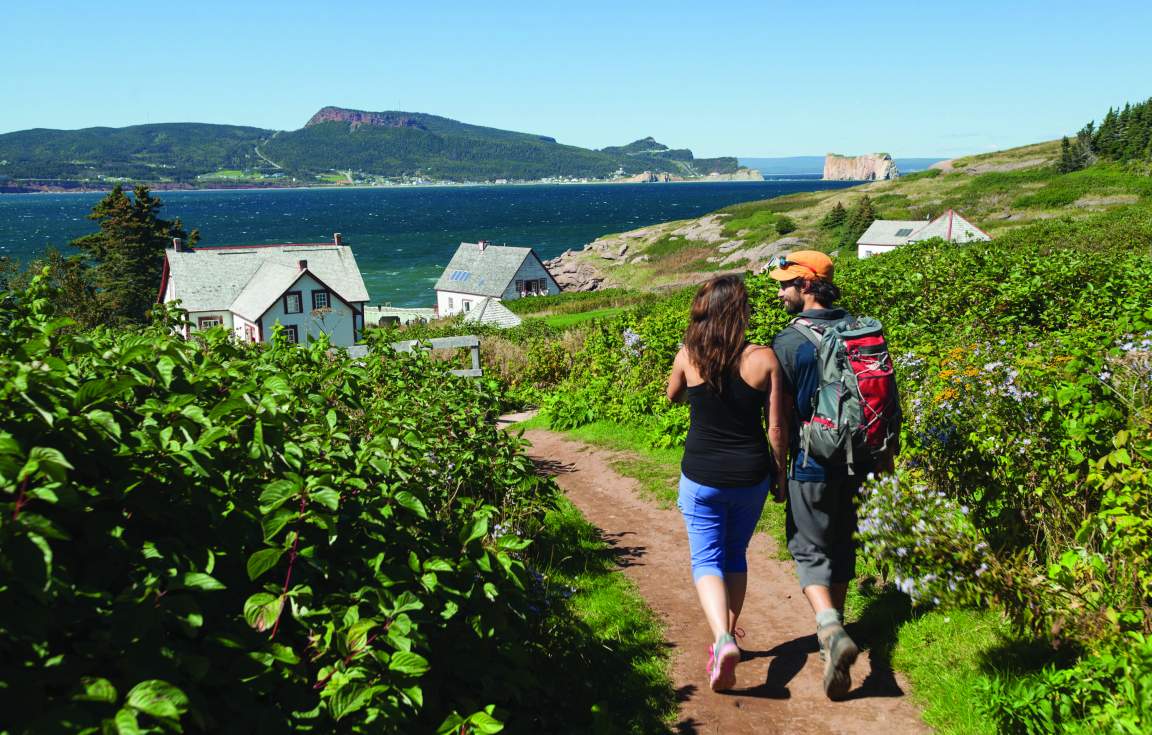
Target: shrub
[[1108, 691], [211, 536]]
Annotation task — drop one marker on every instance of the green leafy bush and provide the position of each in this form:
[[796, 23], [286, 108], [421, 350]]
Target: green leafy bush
[[1108, 691], [218, 537]]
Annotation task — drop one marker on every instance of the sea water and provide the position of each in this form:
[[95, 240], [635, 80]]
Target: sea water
[[402, 237]]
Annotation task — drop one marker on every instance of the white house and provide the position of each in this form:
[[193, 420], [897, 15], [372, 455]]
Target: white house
[[309, 288], [479, 270], [888, 234]]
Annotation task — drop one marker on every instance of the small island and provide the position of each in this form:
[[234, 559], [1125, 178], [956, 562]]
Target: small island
[[869, 167]]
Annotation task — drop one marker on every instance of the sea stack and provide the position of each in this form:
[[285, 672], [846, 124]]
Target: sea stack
[[869, 167]]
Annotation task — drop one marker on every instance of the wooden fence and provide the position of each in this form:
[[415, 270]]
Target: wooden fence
[[470, 342]]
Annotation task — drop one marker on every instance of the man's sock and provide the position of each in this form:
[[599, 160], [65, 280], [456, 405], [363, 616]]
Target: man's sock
[[828, 617]]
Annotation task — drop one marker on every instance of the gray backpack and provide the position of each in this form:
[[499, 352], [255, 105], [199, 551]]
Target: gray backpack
[[856, 409]]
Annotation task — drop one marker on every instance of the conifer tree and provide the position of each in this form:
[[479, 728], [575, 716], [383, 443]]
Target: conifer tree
[[1069, 161], [835, 217], [862, 215], [128, 253], [1123, 135]]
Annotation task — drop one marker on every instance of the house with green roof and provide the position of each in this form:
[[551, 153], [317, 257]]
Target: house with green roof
[[308, 288], [480, 270]]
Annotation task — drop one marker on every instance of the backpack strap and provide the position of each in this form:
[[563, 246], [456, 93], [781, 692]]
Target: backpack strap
[[805, 327]]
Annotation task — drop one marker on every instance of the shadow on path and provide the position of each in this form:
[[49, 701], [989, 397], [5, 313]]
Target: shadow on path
[[623, 556], [552, 467]]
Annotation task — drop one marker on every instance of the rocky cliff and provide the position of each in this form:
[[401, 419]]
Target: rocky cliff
[[869, 167], [360, 117]]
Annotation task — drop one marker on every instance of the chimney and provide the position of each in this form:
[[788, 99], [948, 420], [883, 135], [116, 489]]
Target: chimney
[[336, 238], [303, 264], [483, 244], [177, 244]]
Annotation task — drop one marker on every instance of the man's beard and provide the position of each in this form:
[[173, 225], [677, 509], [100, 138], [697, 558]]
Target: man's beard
[[791, 307]]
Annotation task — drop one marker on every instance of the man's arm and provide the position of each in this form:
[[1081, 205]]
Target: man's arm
[[778, 414]]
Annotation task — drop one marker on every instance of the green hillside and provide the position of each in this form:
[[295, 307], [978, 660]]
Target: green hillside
[[439, 151], [162, 152], [647, 154], [999, 192], [358, 145]]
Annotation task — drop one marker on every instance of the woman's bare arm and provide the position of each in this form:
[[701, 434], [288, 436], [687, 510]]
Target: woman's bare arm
[[677, 381]]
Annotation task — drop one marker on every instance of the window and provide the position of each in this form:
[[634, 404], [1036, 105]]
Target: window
[[207, 322], [533, 287], [292, 333], [449, 303], [293, 303], [459, 276], [467, 305], [904, 232], [320, 300], [249, 333]]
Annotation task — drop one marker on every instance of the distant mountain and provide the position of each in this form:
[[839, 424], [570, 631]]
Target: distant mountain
[[654, 154], [803, 165], [167, 151], [351, 143]]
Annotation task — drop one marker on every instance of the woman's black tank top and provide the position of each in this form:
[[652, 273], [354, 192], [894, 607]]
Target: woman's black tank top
[[726, 445]]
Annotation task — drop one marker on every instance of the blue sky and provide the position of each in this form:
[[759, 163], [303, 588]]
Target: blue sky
[[723, 78]]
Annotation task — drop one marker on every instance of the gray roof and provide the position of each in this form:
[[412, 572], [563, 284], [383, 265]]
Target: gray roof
[[482, 270], [950, 226], [491, 311], [247, 280], [890, 231]]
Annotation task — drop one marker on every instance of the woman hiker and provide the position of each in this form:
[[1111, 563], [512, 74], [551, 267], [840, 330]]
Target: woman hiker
[[733, 389]]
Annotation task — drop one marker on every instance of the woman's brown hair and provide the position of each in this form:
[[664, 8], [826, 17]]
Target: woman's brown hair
[[715, 336]]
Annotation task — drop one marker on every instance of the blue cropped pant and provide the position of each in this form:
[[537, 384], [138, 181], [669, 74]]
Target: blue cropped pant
[[720, 523]]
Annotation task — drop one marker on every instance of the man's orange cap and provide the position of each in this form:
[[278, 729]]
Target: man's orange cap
[[802, 264]]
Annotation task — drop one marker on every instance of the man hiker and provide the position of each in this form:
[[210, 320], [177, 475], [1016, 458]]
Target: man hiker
[[821, 510]]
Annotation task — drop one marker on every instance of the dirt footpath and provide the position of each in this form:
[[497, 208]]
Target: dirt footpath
[[779, 687]]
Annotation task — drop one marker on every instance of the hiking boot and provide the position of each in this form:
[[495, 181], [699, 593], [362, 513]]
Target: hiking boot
[[839, 653], [722, 660]]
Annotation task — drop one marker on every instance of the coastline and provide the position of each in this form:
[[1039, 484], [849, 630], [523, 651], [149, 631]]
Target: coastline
[[167, 187]]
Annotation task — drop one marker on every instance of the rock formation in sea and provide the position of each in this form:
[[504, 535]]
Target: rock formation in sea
[[869, 167]]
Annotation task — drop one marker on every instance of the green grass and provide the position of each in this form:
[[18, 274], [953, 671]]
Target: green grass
[[667, 245], [617, 636], [1100, 181], [577, 301], [231, 174], [563, 321], [756, 225], [943, 653], [929, 173]]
